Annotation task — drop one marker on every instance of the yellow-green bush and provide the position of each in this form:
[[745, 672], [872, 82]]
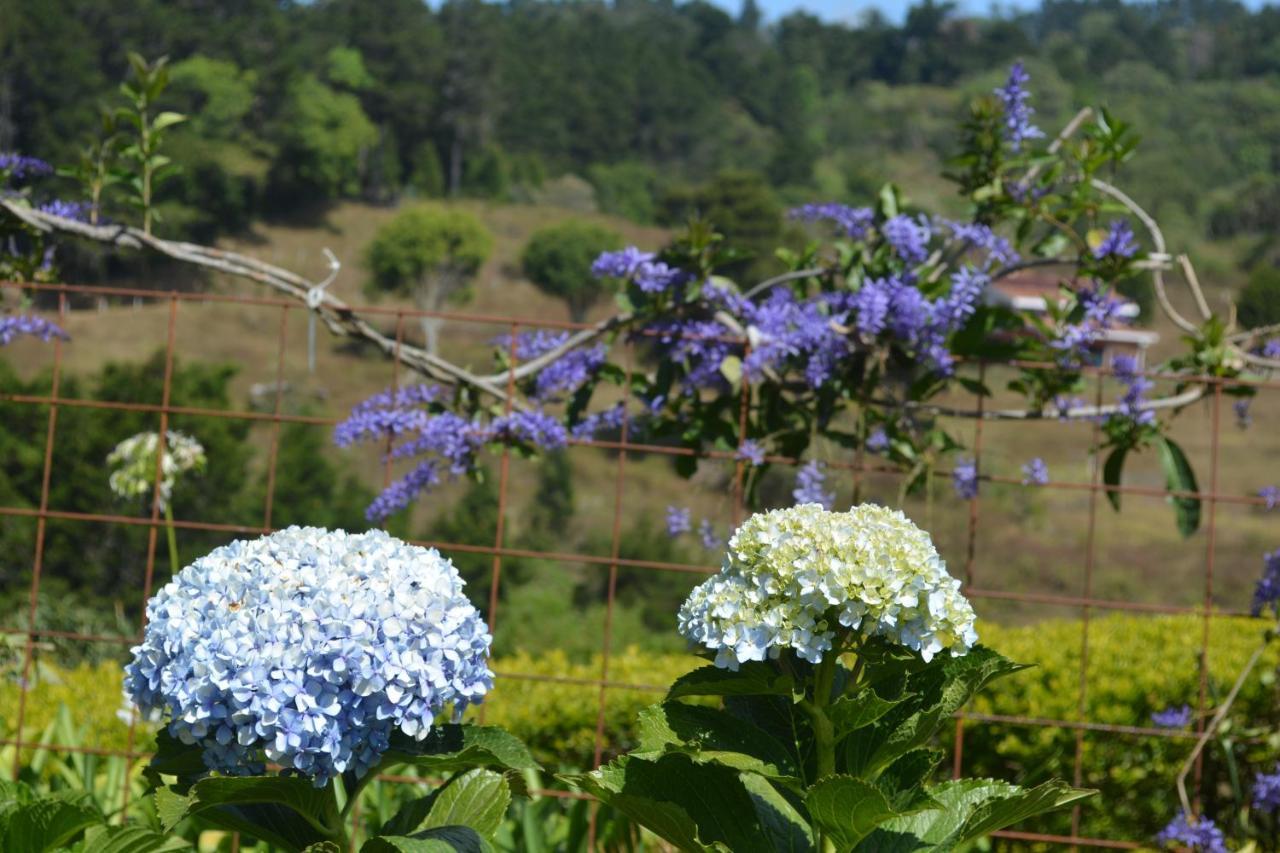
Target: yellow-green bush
[[1137, 665]]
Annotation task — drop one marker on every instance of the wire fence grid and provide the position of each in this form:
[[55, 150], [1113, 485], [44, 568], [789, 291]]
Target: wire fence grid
[[1084, 601]]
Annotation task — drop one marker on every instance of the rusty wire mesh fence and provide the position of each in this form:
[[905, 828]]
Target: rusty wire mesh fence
[[1101, 572]]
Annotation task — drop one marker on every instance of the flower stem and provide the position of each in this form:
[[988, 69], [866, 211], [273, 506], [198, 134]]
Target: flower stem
[[824, 736], [174, 562]]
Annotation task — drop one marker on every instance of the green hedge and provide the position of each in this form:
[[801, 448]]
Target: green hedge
[[1137, 665]]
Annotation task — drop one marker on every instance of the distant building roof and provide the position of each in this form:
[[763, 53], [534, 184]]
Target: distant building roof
[[1031, 290]]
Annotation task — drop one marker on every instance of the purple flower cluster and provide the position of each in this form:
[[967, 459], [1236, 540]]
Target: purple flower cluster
[[1267, 592], [1270, 495], [751, 452], [1075, 339], [896, 306], [1241, 408], [1137, 386], [1013, 96], [998, 249], [77, 210], [442, 436], [908, 237], [1173, 717], [785, 329], [649, 274], [19, 167], [597, 422], [964, 479], [707, 535], [679, 521], [1035, 472], [1271, 349], [878, 441], [853, 221], [563, 376], [1266, 791], [810, 482], [13, 325], [1119, 241], [1202, 834], [700, 346]]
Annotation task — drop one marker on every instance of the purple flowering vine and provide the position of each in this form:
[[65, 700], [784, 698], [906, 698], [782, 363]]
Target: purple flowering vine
[[811, 480], [1013, 97], [14, 325], [1173, 717], [964, 479], [679, 521], [1200, 834], [1035, 472]]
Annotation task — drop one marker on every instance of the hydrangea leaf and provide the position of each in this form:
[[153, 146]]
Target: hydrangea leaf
[[48, 823], [443, 839], [131, 839], [850, 713], [323, 847], [969, 809], [462, 747], [285, 810], [752, 679], [172, 757], [697, 807], [940, 688], [903, 781], [786, 829], [477, 799], [847, 810], [709, 735]]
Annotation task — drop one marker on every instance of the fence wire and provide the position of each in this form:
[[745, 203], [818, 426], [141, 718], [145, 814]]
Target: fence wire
[[1085, 602]]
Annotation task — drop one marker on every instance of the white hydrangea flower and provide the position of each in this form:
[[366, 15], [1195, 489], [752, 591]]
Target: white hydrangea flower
[[790, 575], [133, 464]]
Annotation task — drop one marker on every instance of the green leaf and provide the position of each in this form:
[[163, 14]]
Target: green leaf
[[48, 823], [167, 119], [850, 713], [444, 839], [903, 781], [323, 847], [174, 758], [709, 735], [1112, 469], [731, 369], [783, 826], [753, 678], [1179, 477], [847, 810], [1016, 804], [477, 799], [315, 805], [130, 839], [694, 806], [939, 689], [462, 747]]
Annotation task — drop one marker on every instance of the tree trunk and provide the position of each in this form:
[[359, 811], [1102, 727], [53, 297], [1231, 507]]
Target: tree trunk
[[455, 165], [427, 298]]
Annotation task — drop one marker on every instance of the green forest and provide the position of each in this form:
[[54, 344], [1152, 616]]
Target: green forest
[[663, 108]]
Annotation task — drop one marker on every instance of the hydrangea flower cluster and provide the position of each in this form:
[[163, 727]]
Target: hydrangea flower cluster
[[13, 325], [1013, 97], [791, 577], [1173, 717], [309, 648], [133, 464], [417, 426], [1200, 834]]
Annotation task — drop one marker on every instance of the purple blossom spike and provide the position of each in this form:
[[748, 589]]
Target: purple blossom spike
[[620, 264], [13, 325], [1013, 96], [534, 428], [908, 237], [964, 479], [1173, 717], [598, 422], [707, 535], [1119, 241], [77, 210], [679, 521], [1267, 593], [1035, 472], [1266, 791], [1132, 402], [998, 249], [404, 491], [1200, 834], [1271, 349], [1241, 408], [810, 480], [19, 167], [853, 221], [878, 441], [1271, 495], [751, 452]]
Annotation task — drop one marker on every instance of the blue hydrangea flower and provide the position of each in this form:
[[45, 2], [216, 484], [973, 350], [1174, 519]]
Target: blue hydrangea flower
[[1266, 791], [964, 479], [1035, 472], [679, 521], [1173, 717], [309, 648], [853, 221], [810, 480], [1200, 834], [1013, 96], [13, 325]]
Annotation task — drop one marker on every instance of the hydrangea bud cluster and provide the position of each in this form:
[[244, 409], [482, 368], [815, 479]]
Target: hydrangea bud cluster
[[133, 464], [309, 648], [793, 577], [13, 325]]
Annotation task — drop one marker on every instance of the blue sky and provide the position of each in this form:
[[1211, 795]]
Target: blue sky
[[894, 10]]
